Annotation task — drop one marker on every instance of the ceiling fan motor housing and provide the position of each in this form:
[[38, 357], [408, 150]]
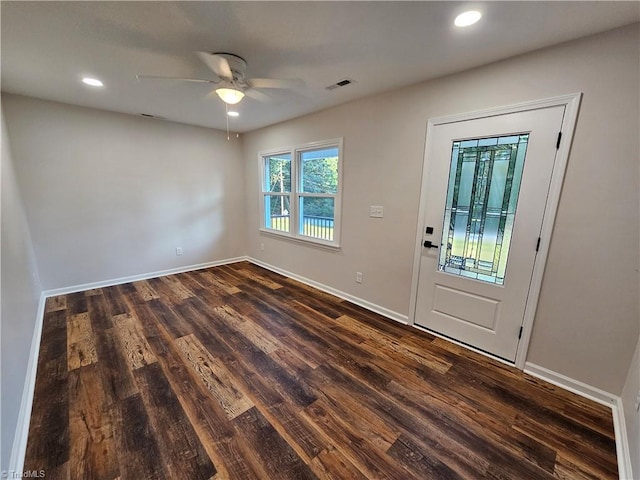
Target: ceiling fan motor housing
[[237, 64]]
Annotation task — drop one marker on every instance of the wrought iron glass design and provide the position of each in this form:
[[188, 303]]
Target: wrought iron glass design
[[484, 183]]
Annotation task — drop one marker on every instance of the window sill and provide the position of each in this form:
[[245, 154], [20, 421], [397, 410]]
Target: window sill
[[310, 242]]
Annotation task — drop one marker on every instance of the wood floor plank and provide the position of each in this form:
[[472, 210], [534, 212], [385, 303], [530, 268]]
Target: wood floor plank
[[387, 342], [253, 332], [215, 281], [178, 289], [58, 302], [133, 342], [293, 427], [253, 358], [226, 276], [311, 331], [77, 303], [420, 462], [138, 450], [590, 415], [181, 451], [48, 442], [218, 439], [271, 400], [461, 458], [498, 450], [257, 276], [268, 396], [98, 313], [81, 348], [294, 363], [93, 291], [145, 290], [278, 458], [294, 338], [567, 470], [119, 382], [331, 464], [201, 289], [215, 376], [366, 456], [204, 412], [177, 325], [92, 452], [237, 373], [115, 301], [591, 458]]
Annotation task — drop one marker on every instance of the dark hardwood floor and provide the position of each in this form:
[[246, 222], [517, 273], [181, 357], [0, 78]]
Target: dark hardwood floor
[[237, 372]]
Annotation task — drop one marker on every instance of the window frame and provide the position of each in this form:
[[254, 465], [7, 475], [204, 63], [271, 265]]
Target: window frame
[[296, 193]]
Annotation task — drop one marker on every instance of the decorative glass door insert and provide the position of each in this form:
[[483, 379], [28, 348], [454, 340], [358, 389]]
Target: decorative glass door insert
[[482, 196]]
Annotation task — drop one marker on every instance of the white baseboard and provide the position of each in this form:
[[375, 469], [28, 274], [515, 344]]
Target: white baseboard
[[575, 386], [622, 442], [19, 448], [599, 396], [385, 312], [143, 276]]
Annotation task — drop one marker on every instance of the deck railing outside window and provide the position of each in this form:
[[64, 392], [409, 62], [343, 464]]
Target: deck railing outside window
[[312, 226]]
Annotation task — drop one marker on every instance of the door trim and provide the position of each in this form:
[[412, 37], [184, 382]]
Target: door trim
[[571, 102]]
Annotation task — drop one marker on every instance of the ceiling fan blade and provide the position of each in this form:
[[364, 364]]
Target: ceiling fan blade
[[256, 95], [217, 64], [275, 83], [159, 77]]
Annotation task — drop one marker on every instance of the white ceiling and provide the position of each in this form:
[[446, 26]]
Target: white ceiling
[[47, 47]]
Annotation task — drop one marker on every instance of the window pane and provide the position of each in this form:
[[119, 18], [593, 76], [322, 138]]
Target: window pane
[[277, 209], [317, 217], [277, 173], [484, 182], [319, 170]]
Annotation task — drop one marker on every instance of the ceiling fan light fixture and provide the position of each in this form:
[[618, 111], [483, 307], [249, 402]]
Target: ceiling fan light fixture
[[230, 96]]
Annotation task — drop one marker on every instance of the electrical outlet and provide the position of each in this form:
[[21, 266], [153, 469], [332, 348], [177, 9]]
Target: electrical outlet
[[376, 211], [262, 247], [358, 277], [178, 251]]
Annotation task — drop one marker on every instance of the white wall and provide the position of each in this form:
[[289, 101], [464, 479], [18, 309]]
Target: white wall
[[20, 293], [109, 195], [632, 416], [586, 324]]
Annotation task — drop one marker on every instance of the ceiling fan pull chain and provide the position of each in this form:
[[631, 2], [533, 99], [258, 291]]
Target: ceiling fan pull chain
[[226, 108]]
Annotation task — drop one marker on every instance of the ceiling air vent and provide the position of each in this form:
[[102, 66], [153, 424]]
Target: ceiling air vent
[[341, 83]]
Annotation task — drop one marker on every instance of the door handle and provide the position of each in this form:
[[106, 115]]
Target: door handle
[[429, 244]]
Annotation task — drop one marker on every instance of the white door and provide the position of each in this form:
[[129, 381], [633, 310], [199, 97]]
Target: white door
[[486, 189]]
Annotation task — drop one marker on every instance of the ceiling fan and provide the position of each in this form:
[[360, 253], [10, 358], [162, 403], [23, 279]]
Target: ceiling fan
[[231, 84]]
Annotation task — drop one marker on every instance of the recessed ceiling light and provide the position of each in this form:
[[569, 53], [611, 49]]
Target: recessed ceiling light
[[94, 82], [467, 18], [231, 113]]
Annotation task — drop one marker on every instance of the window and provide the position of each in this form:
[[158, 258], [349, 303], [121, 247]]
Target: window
[[301, 192]]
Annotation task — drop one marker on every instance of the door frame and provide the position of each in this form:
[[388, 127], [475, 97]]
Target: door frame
[[571, 102]]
